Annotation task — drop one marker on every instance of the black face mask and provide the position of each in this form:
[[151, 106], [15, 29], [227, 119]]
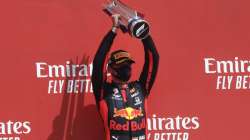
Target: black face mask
[[123, 73]]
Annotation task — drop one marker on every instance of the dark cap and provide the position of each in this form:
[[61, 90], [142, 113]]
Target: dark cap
[[119, 57]]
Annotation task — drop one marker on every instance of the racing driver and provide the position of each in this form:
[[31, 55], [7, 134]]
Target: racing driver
[[121, 102]]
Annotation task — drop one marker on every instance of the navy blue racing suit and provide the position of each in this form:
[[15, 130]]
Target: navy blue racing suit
[[124, 118]]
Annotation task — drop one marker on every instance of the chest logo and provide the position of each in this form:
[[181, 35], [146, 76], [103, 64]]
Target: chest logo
[[137, 101], [132, 90], [116, 94], [115, 91], [128, 113]]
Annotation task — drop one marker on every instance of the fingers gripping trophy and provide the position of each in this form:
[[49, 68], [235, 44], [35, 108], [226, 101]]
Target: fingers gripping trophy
[[122, 102], [130, 20]]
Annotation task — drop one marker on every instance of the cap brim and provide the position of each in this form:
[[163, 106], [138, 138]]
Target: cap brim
[[125, 61]]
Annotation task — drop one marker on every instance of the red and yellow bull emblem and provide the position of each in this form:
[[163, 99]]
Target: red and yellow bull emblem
[[129, 113]]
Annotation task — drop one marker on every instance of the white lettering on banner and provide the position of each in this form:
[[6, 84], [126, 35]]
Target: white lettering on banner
[[224, 82], [226, 66], [208, 63], [13, 130], [171, 128], [71, 86], [44, 70], [231, 74], [39, 69], [171, 136], [9, 138], [177, 123], [68, 78]]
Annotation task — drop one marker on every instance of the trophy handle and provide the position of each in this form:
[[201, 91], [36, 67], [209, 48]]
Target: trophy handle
[[122, 27], [130, 21]]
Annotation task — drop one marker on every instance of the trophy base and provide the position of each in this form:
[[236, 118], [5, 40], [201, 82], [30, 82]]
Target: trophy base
[[138, 28]]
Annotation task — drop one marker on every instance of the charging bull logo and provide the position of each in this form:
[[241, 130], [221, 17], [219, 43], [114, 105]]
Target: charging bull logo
[[128, 113]]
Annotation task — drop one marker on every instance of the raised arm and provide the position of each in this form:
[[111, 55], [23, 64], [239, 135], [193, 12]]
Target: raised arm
[[99, 70], [98, 77], [150, 66]]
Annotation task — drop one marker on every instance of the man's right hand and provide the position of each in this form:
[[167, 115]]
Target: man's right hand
[[115, 19]]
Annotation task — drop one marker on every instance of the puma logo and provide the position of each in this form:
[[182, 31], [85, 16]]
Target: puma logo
[[115, 138]]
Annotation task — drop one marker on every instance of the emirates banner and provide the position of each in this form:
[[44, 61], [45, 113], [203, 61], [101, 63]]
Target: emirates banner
[[201, 90]]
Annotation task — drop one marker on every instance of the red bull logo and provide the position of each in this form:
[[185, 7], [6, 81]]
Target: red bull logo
[[135, 126], [128, 113]]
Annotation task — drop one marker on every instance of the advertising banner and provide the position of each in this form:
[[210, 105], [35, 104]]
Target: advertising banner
[[189, 79]]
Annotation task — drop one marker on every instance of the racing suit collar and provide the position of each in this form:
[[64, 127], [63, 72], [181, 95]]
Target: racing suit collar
[[121, 85]]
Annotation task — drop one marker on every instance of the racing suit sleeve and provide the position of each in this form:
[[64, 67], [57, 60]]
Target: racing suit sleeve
[[99, 66], [150, 67]]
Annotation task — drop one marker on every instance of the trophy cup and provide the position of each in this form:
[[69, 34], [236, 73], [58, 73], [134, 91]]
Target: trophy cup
[[130, 20]]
